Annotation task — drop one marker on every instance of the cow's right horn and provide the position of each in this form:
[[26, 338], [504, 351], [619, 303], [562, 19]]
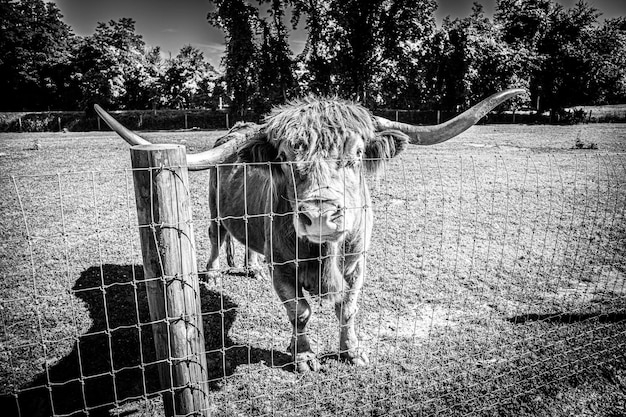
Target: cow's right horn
[[430, 135]]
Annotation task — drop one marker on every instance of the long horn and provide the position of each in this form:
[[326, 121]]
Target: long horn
[[197, 161], [129, 136], [430, 135]]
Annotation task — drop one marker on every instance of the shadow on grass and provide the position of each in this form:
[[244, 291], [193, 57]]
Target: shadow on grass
[[565, 318], [115, 359]]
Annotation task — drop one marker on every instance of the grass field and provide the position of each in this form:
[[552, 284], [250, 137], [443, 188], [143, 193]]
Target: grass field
[[496, 285]]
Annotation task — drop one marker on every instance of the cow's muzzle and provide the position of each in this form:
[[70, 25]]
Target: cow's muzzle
[[319, 223]]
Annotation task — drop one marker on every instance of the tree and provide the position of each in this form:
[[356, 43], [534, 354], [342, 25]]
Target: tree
[[316, 60], [276, 66], [35, 49], [352, 46], [409, 28], [107, 61], [473, 61], [144, 83], [570, 59], [563, 78], [524, 23], [239, 21], [607, 52], [189, 80]]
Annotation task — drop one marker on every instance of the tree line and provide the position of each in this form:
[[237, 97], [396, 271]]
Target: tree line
[[384, 53], [45, 66]]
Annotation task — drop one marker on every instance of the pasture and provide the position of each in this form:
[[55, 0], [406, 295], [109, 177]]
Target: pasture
[[495, 285]]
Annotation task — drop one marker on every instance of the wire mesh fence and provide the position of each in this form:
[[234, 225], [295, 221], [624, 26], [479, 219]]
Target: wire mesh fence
[[494, 284]]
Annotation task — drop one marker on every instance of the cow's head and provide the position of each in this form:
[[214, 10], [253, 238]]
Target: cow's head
[[318, 150]]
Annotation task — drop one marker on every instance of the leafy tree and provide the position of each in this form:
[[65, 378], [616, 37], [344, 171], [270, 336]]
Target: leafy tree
[[107, 61], [316, 60], [353, 46], [239, 21], [569, 58], [525, 22], [35, 49], [189, 80], [409, 28], [563, 78], [276, 66], [144, 84], [475, 61], [607, 52]]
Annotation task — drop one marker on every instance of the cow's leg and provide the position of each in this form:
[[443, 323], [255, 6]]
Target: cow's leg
[[252, 259], [230, 251], [299, 313], [346, 310], [217, 235], [254, 267]]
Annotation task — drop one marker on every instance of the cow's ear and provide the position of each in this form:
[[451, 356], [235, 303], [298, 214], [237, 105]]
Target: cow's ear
[[258, 149], [385, 145]]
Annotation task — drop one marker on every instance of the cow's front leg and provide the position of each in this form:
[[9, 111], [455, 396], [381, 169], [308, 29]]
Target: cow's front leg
[[346, 309], [299, 313], [217, 236], [253, 265]]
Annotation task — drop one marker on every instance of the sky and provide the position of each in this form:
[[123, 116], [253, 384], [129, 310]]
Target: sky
[[173, 24]]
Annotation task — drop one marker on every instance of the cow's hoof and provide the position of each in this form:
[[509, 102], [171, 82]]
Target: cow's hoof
[[307, 362], [356, 358], [211, 275], [256, 271]]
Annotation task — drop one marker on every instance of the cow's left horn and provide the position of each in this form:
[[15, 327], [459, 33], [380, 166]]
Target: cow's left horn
[[430, 135], [129, 136], [195, 162]]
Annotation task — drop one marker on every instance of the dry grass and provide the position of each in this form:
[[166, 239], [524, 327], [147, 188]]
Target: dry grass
[[496, 285]]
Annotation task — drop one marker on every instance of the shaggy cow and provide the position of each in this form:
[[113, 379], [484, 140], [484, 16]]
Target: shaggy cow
[[293, 189]]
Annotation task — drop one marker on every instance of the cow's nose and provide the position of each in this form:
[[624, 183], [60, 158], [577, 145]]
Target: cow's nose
[[323, 218], [306, 218]]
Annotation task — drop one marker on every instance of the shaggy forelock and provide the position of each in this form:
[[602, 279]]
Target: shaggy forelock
[[324, 124]]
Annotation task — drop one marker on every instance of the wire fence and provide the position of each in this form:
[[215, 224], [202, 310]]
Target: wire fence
[[495, 284]]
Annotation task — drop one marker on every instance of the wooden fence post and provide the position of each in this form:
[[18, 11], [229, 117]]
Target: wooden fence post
[[169, 263]]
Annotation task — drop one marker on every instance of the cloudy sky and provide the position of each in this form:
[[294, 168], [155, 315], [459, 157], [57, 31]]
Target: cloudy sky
[[172, 24]]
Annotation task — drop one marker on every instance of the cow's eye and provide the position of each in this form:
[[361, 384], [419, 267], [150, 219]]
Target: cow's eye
[[282, 157], [359, 153], [300, 147], [352, 162]]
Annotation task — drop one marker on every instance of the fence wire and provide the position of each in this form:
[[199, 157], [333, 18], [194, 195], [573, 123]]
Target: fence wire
[[495, 284]]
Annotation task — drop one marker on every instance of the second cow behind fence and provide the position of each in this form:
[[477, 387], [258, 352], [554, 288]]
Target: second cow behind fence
[[294, 190]]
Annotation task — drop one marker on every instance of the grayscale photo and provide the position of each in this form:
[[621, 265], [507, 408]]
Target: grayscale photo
[[312, 208]]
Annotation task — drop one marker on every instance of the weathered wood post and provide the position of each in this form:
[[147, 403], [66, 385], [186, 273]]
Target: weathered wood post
[[169, 263]]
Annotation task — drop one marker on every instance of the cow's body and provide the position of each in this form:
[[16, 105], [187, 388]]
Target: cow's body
[[260, 214]]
